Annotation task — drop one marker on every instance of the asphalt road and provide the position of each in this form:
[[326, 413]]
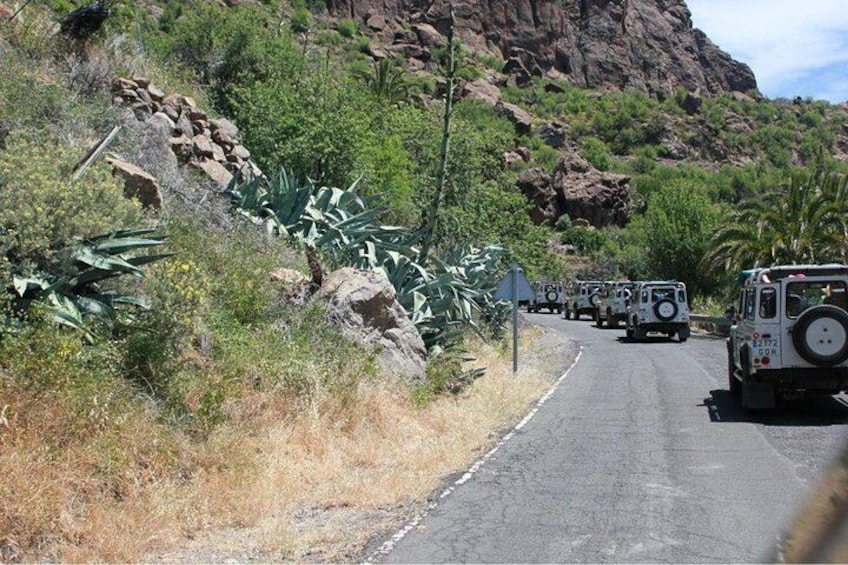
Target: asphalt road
[[639, 455]]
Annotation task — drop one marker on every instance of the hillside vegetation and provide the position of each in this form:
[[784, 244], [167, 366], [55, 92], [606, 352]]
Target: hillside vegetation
[[156, 383]]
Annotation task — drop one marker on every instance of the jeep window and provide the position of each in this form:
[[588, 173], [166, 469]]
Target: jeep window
[[644, 296], [741, 309], [803, 294], [768, 303], [681, 296], [749, 304], [662, 293]]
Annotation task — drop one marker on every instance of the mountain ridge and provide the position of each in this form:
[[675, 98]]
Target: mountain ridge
[[650, 45]]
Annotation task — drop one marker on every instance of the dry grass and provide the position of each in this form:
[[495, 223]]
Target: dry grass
[[274, 482], [330, 481]]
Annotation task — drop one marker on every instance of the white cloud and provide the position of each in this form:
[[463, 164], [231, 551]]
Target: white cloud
[[794, 48]]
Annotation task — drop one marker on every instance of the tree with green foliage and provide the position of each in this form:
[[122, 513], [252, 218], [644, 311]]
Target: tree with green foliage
[[804, 222], [678, 223], [385, 81]]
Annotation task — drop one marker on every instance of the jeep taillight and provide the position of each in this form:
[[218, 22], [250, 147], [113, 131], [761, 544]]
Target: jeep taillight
[[765, 360]]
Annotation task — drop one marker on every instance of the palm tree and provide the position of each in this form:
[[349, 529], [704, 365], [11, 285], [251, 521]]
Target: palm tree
[[386, 82], [804, 222]]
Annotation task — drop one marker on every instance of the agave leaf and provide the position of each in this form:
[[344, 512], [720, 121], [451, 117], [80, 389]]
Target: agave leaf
[[24, 284], [88, 256]]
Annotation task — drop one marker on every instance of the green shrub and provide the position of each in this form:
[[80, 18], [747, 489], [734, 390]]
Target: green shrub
[[301, 20], [43, 211], [585, 240], [596, 152], [348, 27]]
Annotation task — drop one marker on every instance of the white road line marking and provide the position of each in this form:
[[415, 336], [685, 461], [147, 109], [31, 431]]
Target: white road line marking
[[388, 545]]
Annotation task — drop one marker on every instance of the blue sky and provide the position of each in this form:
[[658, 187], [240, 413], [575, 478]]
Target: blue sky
[[794, 47]]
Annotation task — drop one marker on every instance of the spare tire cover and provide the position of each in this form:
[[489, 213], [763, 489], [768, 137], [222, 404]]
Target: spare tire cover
[[821, 335], [666, 309], [551, 296], [595, 299]]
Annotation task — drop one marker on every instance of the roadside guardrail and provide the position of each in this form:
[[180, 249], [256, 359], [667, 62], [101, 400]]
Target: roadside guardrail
[[717, 325]]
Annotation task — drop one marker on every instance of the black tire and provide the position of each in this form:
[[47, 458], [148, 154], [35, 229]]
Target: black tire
[[595, 299], [821, 335], [551, 296], [744, 385], [733, 384], [629, 333], [666, 309], [529, 309]]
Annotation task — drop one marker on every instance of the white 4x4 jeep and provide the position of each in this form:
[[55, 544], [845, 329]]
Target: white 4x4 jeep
[[613, 306], [584, 299], [790, 334], [548, 295], [658, 307]]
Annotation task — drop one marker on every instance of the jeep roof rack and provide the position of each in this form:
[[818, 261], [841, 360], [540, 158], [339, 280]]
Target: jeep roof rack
[[778, 272]]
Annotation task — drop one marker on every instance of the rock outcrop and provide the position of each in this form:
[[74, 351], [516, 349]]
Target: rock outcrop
[[209, 145], [576, 188], [363, 305], [650, 45]]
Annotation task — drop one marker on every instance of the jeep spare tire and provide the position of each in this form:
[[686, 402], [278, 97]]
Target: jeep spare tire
[[551, 296], [821, 335], [595, 299], [666, 309]]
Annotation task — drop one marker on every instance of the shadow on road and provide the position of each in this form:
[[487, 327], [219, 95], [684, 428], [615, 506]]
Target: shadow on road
[[649, 339], [812, 410]]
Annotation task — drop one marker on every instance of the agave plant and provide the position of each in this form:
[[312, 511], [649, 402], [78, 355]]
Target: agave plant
[[75, 297], [440, 296]]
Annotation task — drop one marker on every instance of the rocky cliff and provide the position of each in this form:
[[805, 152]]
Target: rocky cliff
[[650, 45]]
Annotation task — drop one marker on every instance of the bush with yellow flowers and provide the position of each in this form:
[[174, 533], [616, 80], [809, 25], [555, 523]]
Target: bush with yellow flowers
[[43, 211]]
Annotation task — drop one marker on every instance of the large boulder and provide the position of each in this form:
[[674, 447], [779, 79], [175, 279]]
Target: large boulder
[[363, 304], [578, 189]]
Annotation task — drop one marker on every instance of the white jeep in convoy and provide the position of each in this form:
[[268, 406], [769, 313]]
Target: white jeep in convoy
[[790, 334], [584, 299], [658, 307], [614, 300], [546, 294]]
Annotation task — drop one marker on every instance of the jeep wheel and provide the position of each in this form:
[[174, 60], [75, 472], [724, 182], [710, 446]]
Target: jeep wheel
[[629, 333], [732, 381], [821, 335], [551, 296], [595, 299], [639, 333], [666, 309]]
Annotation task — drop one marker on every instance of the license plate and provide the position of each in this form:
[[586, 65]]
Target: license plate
[[765, 347]]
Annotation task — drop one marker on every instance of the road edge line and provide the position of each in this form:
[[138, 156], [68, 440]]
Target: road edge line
[[389, 544]]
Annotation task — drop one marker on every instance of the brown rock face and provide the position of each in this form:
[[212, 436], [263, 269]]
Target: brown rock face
[[645, 44], [578, 189]]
